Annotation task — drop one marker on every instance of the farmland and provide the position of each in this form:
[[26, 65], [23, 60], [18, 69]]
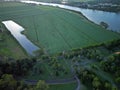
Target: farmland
[[64, 35]]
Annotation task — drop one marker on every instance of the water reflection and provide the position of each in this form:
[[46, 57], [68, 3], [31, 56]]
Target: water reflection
[[16, 30], [112, 19]]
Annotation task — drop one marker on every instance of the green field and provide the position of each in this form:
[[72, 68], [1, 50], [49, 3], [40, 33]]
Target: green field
[[54, 29], [69, 86]]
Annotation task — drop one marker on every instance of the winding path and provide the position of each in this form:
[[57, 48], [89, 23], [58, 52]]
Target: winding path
[[52, 82], [78, 81]]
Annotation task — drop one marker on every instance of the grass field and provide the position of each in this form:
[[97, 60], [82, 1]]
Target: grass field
[[70, 86], [54, 29]]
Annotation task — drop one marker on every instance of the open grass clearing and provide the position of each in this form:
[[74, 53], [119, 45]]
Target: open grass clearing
[[69, 86]]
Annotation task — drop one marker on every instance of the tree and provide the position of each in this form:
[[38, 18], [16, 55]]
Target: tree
[[114, 88], [41, 85], [22, 86], [7, 82], [105, 25], [96, 83], [107, 86], [117, 80]]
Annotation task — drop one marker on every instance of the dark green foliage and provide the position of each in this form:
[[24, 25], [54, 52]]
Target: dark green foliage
[[105, 25], [57, 67], [7, 82], [96, 83], [17, 68], [41, 85], [113, 44], [87, 77], [111, 65]]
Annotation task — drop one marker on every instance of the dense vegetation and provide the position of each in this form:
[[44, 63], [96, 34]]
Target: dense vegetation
[[98, 64], [104, 73], [106, 1], [7, 82]]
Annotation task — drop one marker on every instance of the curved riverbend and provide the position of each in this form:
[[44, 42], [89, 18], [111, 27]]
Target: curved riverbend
[[96, 16], [16, 30]]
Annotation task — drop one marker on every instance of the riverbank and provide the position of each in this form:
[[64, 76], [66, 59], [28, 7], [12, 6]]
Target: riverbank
[[109, 6]]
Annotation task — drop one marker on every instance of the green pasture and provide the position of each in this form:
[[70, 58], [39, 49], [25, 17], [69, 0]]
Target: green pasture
[[54, 29], [69, 86]]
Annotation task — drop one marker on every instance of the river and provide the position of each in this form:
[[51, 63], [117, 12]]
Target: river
[[96, 16]]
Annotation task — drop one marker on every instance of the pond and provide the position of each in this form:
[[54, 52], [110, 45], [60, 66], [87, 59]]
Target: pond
[[96, 16], [16, 30]]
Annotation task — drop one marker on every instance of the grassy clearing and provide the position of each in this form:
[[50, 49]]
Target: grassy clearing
[[70, 86], [56, 30]]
